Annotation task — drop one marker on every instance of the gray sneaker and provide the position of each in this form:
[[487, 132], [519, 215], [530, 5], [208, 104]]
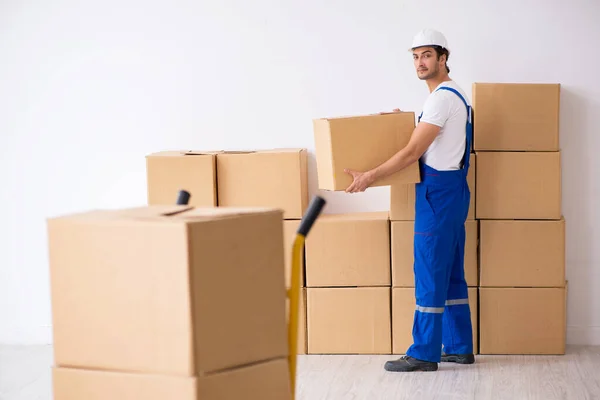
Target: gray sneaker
[[410, 364]]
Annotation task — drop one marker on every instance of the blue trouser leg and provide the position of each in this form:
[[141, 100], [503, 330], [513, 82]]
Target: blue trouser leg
[[434, 245], [430, 289], [457, 331], [439, 271]]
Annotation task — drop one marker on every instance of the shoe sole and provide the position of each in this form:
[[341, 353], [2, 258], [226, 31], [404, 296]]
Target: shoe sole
[[457, 359], [416, 369]]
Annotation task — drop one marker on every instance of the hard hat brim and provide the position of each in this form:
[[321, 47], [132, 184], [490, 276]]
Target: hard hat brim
[[428, 45]]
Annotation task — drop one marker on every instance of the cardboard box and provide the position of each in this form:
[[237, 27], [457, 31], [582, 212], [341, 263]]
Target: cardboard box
[[349, 250], [167, 290], [349, 320], [168, 172], [522, 320], [402, 233], [264, 381], [516, 117], [523, 253], [361, 143], [290, 227], [523, 185], [269, 178], [402, 197], [302, 344], [403, 314]]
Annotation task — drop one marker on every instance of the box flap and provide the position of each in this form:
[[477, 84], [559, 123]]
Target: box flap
[[363, 115], [212, 213], [179, 153], [263, 151], [167, 212], [154, 211], [225, 152], [284, 150], [200, 153]]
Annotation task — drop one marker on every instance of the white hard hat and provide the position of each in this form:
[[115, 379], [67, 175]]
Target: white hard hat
[[429, 37]]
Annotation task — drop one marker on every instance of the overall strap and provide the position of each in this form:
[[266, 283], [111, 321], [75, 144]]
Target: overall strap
[[469, 127]]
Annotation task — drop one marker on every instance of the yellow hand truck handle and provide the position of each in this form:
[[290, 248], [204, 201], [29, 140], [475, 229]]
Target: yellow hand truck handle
[[309, 218]]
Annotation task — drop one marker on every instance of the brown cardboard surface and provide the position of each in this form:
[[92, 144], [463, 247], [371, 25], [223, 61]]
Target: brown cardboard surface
[[403, 312], [167, 290], [290, 227], [522, 320], [268, 178], [79, 384], [402, 202], [402, 238], [302, 344], [523, 253], [361, 143], [516, 116], [402, 197], [518, 185], [350, 249], [349, 320], [264, 381], [168, 172]]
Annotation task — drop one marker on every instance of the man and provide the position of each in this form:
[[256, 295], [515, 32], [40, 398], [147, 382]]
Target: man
[[441, 143]]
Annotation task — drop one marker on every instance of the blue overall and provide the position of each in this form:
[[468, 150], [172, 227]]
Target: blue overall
[[442, 315]]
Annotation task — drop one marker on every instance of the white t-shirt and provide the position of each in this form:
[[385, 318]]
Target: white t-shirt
[[446, 110]]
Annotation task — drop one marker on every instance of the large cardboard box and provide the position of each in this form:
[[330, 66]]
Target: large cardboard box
[[302, 343], [403, 314], [516, 116], [518, 185], [349, 250], [361, 143], [290, 229], [167, 290], [403, 259], [522, 253], [268, 178], [402, 197], [349, 320], [168, 172], [263, 381], [522, 320]]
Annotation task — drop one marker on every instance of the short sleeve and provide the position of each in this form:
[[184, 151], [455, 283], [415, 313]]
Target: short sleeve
[[436, 110]]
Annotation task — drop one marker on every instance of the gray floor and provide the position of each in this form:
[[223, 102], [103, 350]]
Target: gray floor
[[25, 375]]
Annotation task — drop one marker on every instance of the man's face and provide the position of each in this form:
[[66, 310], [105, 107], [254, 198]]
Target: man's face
[[426, 62]]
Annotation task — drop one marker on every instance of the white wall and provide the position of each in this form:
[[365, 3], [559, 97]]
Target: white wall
[[87, 89]]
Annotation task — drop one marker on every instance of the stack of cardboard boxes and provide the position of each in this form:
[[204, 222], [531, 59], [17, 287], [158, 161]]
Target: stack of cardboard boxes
[[361, 299], [351, 273], [522, 231], [169, 302], [358, 284], [348, 280], [359, 266], [275, 178]]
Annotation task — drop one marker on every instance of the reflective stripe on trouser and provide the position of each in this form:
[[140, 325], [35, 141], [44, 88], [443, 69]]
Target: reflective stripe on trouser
[[439, 310], [442, 315]]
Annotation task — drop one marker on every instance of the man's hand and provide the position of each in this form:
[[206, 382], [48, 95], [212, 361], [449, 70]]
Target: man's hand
[[362, 180]]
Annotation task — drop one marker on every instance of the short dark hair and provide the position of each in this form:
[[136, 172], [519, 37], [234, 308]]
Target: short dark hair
[[439, 50]]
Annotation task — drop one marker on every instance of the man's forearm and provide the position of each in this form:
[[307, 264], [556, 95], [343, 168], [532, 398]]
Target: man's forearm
[[397, 162]]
